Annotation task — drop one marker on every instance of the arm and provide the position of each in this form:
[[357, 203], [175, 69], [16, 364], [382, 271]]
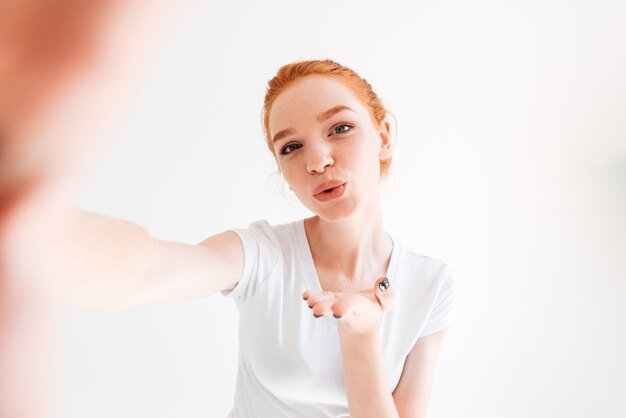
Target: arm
[[359, 318], [359, 321], [367, 386], [412, 394], [106, 263], [64, 68], [49, 51]]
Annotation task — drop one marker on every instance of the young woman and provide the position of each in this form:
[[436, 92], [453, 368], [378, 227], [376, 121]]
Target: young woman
[[382, 308], [337, 318]]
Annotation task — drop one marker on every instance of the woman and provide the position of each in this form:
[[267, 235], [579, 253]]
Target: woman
[[368, 345], [375, 355]]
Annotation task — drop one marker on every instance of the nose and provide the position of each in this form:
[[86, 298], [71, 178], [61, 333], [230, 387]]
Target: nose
[[318, 158]]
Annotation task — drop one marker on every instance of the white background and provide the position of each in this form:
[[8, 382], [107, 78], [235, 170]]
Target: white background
[[510, 166]]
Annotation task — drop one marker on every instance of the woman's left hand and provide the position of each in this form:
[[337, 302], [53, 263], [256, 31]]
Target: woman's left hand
[[356, 313]]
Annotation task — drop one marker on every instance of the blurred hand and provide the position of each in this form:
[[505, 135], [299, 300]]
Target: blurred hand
[[64, 66]]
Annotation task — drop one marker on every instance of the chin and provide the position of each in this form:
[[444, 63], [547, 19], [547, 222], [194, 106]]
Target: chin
[[334, 213]]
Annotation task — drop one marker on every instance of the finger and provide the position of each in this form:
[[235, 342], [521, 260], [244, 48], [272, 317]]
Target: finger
[[316, 297], [308, 293], [385, 294], [324, 307]]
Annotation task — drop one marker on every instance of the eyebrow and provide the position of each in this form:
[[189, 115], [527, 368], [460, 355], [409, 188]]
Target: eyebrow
[[321, 118], [282, 134], [325, 115]]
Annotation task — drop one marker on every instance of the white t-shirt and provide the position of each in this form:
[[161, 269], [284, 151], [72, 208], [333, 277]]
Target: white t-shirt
[[289, 361]]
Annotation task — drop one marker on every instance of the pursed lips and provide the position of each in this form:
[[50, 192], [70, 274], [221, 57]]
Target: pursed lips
[[330, 184]]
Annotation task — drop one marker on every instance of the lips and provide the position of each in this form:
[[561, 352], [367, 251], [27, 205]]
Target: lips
[[330, 184], [331, 194]]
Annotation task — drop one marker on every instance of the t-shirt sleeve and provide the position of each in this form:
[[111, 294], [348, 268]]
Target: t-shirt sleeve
[[444, 307], [261, 251]]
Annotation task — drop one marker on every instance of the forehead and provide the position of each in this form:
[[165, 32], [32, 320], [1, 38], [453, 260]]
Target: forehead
[[307, 98]]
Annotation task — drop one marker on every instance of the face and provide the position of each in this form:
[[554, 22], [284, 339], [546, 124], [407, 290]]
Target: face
[[323, 136]]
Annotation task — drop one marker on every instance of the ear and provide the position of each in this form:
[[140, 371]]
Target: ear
[[387, 134]]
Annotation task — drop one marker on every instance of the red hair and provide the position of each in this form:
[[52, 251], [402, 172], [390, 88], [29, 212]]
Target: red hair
[[290, 73]]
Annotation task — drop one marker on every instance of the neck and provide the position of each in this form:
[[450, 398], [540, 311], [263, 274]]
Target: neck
[[356, 249]]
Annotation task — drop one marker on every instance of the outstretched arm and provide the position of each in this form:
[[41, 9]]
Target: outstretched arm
[[64, 67], [100, 262], [62, 64]]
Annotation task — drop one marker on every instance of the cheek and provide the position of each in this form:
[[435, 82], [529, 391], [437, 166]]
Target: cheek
[[365, 154], [290, 176]]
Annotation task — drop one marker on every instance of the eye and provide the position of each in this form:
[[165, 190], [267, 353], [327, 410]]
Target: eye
[[342, 128], [287, 149]]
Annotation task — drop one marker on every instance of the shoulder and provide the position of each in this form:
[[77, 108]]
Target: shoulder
[[264, 252], [425, 279], [421, 266], [272, 231], [261, 235], [429, 290]]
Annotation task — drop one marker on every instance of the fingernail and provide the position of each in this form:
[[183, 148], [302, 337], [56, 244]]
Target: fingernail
[[384, 285], [317, 316], [310, 307], [336, 316]]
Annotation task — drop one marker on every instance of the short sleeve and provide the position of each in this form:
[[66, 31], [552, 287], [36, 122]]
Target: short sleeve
[[261, 255], [443, 310]]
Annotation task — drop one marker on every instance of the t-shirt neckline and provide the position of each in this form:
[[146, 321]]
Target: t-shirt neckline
[[312, 280]]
